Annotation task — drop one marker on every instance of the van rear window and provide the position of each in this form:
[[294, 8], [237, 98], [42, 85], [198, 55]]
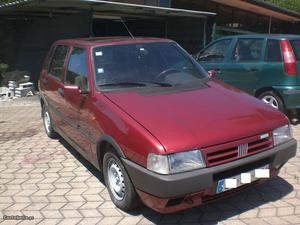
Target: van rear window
[[296, 48], [273, 53]]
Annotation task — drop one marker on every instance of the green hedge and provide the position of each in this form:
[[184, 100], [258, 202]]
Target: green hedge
[[289, 4]]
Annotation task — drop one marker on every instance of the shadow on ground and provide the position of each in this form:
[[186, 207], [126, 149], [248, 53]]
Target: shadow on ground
[[212, 213]]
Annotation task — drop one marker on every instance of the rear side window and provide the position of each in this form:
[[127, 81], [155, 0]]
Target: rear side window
[[77, 69], [48, 59], [273, 52], [296, 48], [247, 50], [58, 60], [216, 52]]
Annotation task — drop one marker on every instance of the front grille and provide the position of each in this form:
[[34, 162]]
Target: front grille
[[224, 153]]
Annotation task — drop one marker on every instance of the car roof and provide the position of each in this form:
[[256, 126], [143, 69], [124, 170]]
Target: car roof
[[98, 41], [269, 36]]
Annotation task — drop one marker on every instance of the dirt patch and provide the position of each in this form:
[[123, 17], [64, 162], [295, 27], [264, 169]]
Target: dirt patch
[[42, 158], [7, 136]]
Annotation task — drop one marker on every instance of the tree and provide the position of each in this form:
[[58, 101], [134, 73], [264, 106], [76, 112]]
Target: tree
[[288, 4], [5, 1]]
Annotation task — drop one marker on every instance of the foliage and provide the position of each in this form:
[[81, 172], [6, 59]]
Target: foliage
[[289, 4], [3, 68], [6, 1]]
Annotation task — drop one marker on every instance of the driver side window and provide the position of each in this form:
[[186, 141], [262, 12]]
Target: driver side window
[[77, 69], [215, 52]]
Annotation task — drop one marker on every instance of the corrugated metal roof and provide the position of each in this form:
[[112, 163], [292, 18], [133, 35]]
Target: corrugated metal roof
[[13, 3], [262, 8], [97, 6]]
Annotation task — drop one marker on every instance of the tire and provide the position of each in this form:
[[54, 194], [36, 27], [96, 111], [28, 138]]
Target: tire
[[273, 100], [47, 121], [118, 183]]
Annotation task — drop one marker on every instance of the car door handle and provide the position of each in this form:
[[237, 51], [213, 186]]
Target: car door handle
[[61, 92]]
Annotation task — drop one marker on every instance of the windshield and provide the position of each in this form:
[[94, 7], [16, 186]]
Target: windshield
[[144, 64]]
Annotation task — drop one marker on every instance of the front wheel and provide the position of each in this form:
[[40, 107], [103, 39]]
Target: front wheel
[[47, 121], [118, 183], [272, 99]]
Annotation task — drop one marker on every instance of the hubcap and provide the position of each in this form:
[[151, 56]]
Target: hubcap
[[47, 122], [116, 179], [271, 101]]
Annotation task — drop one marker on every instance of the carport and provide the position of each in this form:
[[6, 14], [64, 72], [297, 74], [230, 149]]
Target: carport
[[30, 26]]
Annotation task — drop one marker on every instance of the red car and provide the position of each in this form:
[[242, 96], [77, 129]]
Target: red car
[[146, 114]]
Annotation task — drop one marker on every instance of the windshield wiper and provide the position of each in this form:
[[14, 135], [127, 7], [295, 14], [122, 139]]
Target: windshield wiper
[[123, 84], [158, 83], [210, 54], [138, 84]]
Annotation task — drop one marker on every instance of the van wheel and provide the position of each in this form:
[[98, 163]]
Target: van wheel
[[47, 121], [272, 99], [118, 183]]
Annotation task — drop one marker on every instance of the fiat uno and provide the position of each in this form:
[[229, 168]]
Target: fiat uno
[[162, 132]]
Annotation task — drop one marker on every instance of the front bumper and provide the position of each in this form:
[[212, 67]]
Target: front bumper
[[204, 180]]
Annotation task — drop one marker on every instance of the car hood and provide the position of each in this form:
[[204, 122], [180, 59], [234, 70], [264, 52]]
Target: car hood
[[214, 114]]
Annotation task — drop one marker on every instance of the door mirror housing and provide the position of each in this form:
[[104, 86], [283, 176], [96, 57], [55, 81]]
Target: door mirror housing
[[212, 73], [72, 89]]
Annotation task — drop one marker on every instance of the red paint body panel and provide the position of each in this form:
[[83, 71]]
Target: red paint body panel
[[199, 118]]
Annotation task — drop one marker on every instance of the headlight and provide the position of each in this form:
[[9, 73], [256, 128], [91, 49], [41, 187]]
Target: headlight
[[175, 163], [282, 134]]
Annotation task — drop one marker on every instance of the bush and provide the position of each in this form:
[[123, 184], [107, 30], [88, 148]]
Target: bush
[[288, 4], [3, 69]]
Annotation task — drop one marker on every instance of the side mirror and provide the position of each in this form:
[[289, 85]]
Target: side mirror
[[212, 73], [74, 90], [71, 89]]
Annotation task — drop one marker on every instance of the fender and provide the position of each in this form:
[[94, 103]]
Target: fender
[[111, 141], [42, 99]]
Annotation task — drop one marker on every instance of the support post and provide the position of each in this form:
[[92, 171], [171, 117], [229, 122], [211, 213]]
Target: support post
[[204, 32], [166, 28], [270, 25], [91, 21]]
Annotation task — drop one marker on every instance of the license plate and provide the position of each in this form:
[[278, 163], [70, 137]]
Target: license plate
[[243, 178]]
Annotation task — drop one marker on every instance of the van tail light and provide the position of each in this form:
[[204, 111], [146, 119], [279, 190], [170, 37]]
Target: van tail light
[[289, 60]]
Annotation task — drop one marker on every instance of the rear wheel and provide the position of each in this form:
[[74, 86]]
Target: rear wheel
[[118, 183], [272, 99], [47, 121]]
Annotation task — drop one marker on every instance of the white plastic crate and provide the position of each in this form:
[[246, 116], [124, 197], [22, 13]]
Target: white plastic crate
[[26, 85], [22, 92]]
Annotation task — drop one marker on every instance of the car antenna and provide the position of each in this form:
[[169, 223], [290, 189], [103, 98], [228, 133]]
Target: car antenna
[[127, 28]]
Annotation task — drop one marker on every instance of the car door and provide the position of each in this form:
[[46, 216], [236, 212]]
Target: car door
[[273, 67], [51, 83], [244, 65], [76, 93], [213, 57]]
